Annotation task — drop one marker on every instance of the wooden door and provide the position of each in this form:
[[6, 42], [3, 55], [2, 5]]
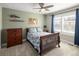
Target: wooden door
[[10, 37]]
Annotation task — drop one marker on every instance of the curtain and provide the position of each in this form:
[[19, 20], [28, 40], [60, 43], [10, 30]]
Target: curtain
[[77, 28], [52, 25]]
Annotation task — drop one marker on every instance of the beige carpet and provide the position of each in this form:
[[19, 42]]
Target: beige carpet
[[26, 49]]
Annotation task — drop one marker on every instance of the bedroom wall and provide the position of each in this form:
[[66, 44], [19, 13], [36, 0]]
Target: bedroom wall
[[6, 12], [48, 22], [0, 24], [24, 16], [64, 36]]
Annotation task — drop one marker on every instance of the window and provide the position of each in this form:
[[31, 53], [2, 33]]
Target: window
[[64, 24], [68, 24], [57, 24]]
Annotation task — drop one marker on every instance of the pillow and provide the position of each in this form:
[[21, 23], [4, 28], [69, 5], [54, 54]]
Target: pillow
[[39, 29], [32, 30]]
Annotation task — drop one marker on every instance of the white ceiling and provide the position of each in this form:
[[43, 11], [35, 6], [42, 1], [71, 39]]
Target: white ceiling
[[29, 7]]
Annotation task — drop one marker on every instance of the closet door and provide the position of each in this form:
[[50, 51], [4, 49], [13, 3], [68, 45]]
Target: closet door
[[18, 35], [10, 37]]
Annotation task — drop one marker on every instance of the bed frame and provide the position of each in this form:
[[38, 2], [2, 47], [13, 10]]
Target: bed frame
[[47, 42]]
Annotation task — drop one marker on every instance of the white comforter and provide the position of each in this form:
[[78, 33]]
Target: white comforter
[[44, 33]]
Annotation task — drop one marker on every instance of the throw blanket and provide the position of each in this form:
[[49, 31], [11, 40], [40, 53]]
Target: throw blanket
[[34, 38]]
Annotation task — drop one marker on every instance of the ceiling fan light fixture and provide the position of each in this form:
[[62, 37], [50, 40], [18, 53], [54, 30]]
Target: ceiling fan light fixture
[[44, 8], [41, 10]]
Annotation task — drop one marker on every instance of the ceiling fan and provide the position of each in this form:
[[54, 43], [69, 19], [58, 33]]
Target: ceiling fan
[[43, 7]]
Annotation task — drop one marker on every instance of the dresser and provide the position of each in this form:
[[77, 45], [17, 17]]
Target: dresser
[[14, 37]]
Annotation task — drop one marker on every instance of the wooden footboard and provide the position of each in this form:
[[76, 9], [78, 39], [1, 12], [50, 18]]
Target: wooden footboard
[[48, 42]]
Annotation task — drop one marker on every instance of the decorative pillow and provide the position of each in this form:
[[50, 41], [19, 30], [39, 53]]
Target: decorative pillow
[[32, 30], [39, 29]]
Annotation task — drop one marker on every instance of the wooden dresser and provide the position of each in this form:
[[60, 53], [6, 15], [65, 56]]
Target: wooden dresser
[[14, 37]]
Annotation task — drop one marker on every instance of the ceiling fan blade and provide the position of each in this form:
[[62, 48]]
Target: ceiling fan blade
[[48, 6], [36, 8], [41, 4]]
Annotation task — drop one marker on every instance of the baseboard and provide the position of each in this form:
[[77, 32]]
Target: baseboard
[[70, 43], [76, 46], [4, 45], [24, 40]]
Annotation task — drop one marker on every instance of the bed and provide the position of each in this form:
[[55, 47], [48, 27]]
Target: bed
[[42, 41]]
